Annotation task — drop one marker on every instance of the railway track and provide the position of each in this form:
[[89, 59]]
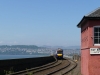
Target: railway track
[[67, 69], [60, 67]]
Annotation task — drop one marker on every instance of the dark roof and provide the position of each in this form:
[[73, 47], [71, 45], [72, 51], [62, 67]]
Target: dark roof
[[59, 49], [93, 15]]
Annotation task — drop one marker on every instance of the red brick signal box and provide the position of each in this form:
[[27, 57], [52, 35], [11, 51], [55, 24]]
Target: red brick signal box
[[90, 43]]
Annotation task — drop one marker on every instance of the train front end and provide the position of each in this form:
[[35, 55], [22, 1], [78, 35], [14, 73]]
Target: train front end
[[59, 54]]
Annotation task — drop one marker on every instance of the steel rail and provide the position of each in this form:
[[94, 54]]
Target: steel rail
[[65, 63]]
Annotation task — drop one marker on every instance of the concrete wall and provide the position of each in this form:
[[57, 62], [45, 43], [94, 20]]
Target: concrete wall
[[90, 63], [94, 59], [84, 49], [23, 64], [84, 61]]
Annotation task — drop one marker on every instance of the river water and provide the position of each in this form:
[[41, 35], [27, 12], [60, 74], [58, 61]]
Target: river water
[[4, 57]]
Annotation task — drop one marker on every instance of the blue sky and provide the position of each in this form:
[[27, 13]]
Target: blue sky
[[43, 22]]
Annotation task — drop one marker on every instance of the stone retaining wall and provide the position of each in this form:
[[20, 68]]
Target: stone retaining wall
[[23, 64]]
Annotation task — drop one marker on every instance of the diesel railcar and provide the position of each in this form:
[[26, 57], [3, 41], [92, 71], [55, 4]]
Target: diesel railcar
[[59, 53]]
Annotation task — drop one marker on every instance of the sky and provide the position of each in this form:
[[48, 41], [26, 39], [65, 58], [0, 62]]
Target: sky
[[43, 22]]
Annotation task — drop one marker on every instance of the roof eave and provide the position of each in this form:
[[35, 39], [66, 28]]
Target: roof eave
[[84, 19], [79, 24]]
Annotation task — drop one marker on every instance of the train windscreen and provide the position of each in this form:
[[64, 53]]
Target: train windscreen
[[59, 52]]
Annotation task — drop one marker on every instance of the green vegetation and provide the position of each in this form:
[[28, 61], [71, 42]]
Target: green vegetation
[[9, 71], [29, 73]]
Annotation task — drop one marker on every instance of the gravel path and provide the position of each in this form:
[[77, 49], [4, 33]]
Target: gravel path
[[63, 71], [76, 71]]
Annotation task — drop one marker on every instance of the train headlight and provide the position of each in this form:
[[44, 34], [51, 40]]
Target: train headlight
[[59, 54]]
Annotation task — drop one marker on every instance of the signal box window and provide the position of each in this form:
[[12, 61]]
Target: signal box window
[[97, 36]]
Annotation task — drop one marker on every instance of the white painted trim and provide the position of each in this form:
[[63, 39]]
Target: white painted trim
[[93, 35], [96, 26], [96, 44]]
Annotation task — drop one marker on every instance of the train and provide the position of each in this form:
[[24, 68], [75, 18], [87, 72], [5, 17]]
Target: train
[[59, 53]]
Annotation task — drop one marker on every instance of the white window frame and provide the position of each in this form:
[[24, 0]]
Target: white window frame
[[93, 35]]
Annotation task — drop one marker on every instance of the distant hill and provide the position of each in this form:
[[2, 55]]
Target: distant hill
[[36, 47], [35, 50], [73, 47], [67, 47], [19, 46], [23, 50]]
